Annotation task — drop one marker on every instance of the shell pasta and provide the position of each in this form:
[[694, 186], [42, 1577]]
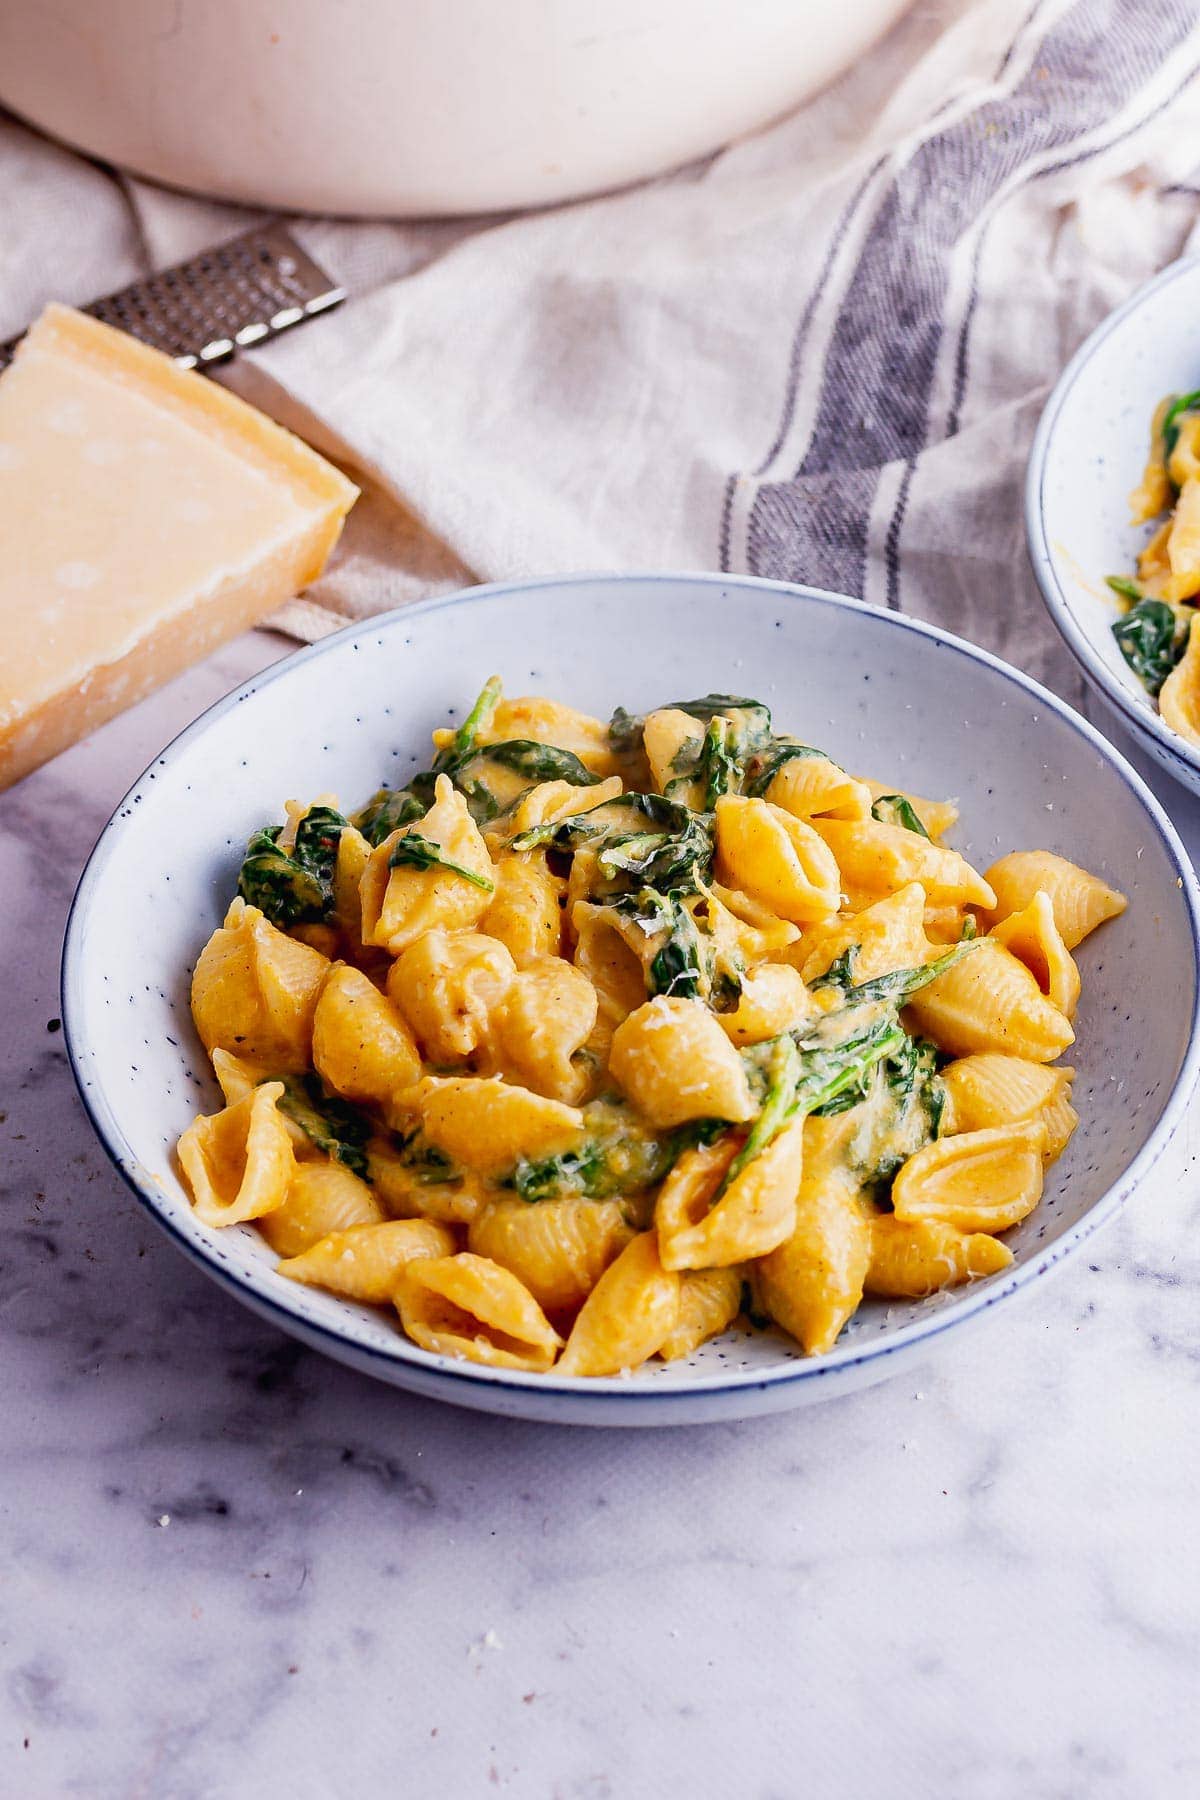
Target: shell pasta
[[595, 1039]]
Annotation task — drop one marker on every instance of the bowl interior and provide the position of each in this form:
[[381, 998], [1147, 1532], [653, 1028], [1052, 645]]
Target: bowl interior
[[1090, 453], [886, 698]]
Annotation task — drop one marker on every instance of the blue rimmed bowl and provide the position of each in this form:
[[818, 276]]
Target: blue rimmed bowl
[[884, 695], [1088, 454]]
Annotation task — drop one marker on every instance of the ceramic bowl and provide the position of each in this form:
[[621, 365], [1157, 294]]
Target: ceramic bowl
[[411, 107], [1088, 453], [882, 694]]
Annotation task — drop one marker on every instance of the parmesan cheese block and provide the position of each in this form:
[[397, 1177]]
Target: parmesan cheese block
[[146, 515]]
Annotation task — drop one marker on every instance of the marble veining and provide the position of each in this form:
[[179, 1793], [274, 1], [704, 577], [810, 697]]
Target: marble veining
[[232, 1567]]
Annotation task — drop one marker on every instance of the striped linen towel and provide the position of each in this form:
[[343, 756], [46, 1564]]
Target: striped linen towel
[[817, 356]]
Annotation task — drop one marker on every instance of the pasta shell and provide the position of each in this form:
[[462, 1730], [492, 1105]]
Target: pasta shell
[[709, 1301], [773, 999], [1179, 697], [548, 1013], [813, 1282], [353, 855], [554, 800], [989, 1001], [321, 1197], [912, 1261], [399, 904], [525, 914], [991, 1089], [1080, 901], [465, 1306], [675, 1063], [775, 858], [365, 1262], [811, 785], [239, 1162], [361, 1048], [1183, 544], [448, 985], [1034, 938], [628, 1315], [488, 1125], [977, 1181], [671, 740], [737, 919], [558, 1248], [1154, 565], [236, 1075], [754, 1214], [254, 991], [1153, 493], [883, 857], [606, 958], [889, 935], [944, 924]]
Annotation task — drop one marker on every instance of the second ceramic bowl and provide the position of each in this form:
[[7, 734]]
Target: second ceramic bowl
[[1088, 454]]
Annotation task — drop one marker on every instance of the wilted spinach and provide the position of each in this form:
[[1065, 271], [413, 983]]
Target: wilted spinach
[[334, 1126], [895, 809], [293, 887], [415, 852], [1186, 403], [1149, 639]]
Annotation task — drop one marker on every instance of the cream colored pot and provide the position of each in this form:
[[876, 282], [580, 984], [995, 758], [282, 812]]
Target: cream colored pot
[[417, 106]]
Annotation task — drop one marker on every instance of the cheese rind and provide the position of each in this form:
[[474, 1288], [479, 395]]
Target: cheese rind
[[146, 516]]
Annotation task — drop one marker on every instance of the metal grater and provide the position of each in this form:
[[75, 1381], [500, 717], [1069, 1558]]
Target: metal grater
[[236, 294]]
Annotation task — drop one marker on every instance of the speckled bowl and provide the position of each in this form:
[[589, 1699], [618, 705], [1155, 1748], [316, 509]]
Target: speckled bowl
[[1088, 454], [882, 694]]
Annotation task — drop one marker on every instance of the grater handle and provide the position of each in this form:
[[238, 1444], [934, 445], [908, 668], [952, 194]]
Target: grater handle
[[202, 311]]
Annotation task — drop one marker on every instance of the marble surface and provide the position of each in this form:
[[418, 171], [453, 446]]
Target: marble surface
[[233, 1568]]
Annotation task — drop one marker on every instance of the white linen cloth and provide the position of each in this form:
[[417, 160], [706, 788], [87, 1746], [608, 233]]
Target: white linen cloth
[[818, 355]]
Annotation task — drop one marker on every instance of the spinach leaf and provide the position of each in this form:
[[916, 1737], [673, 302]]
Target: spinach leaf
[[719, 767], [676, 857], [611, 1162], [1186, 403], [334, 1126], [784, 1073], [388, 809], [278, 886], [679, 862], [582, 827], [1146, 637], [826, 1071], [750, 719], [583, 1171], [677, 968], [625, 731], [764, 767], [296, 887], [540, 762], [894, 809], [428, 1165], [1124, 585], [903, 1113], [835, 1075], [896, 985], [415, 852], [477, 720]]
